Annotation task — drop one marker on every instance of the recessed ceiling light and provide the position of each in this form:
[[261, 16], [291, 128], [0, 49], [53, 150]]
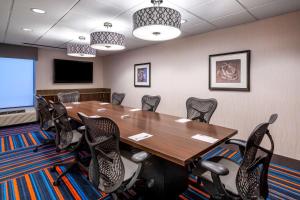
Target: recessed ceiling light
[[39, 11], [27, 29], [183, 21]]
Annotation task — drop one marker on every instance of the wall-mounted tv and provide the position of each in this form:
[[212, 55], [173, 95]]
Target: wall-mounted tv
[[70, 71]]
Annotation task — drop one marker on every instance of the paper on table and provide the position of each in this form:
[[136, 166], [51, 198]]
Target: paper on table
[[103, 103], [140, 136], [69, 107], [101, 109], [134, 109], [94, 116], [75, 102], [125, 116], [205, 138], [183, 120]]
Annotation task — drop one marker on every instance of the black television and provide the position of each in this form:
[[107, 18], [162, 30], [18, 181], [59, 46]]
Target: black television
[[71, 71]]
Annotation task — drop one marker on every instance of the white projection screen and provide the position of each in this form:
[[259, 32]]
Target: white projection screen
[[17, 83]]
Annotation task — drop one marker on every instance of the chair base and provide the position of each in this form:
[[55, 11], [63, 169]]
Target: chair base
[[69, 168], [45, 142]]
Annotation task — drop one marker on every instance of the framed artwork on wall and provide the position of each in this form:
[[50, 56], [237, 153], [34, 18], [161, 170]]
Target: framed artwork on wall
[[142, 75], [230, 71]]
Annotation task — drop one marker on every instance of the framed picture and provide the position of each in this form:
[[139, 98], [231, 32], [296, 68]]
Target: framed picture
[[230, 71], [142, 75]]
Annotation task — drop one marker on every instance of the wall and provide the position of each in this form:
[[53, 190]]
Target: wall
[[44, 71], [180, 70]]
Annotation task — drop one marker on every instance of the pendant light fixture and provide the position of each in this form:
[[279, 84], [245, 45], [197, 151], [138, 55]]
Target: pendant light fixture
[[107, 40], [80, 50], [156, 23]]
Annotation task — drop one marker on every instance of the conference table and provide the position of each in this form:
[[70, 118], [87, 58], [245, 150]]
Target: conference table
[[173, 145]]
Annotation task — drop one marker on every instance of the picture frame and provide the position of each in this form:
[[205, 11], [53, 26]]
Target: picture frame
[[142, 75], [230, 71]]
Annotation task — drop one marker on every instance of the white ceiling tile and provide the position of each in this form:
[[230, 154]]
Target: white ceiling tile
[[197, 28], [254, 3], [216, 9], [232, 20], [96, 9], [276, 7], [187, 3]]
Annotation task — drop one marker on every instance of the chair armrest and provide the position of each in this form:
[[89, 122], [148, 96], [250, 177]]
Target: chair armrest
[[139, 157], [81, 128], [214, 167], [238, 142]]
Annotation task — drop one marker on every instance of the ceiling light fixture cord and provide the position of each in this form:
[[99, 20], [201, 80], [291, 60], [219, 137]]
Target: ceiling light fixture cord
[[108, 25], [156, 2]]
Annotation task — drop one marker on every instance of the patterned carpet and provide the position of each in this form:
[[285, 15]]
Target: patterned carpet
[[26, 175]]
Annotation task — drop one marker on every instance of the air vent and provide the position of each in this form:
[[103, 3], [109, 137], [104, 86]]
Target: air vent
[[12, 112]]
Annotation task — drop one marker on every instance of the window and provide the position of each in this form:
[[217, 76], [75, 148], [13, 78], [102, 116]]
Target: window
[[17, 80]]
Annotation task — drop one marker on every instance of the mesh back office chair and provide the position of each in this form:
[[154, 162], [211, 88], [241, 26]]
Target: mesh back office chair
[[65, 137], [108, 170], [225, 179], [200, 109], [45, 117], [150, 103], [117, 98], [68, 97]]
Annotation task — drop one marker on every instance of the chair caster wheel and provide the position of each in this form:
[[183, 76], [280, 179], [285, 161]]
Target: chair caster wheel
[[56, 183], [53, 169]]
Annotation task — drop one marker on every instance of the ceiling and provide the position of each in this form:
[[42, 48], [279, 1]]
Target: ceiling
[[66, 20]]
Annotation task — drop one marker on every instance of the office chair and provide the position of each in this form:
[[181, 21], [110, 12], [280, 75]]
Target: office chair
[[45, 118], [200, 109], [68, 97], [117, 98], [150, 103], [108, 170], [225, 179], [66, 137]]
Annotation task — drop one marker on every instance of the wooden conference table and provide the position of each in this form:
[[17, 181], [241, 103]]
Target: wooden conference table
[[171, 142]]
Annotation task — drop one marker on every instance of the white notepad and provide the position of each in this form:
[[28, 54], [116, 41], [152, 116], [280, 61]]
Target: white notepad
[[205, 138], [94, 116], [75, 102], [183, 120], [101, 109], [125, 116], [103, 103], [134, 109], [69, 107], [141, 136]]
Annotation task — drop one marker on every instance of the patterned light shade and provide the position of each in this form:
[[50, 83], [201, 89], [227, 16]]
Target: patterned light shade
[[80, 50], [107, 41], [156, 23]]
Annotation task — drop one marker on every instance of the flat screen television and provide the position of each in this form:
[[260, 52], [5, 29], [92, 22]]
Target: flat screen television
[[70, 71]]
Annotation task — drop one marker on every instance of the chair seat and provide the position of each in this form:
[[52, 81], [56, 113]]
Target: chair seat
[[130, 168], [76, 136], [228, 180]]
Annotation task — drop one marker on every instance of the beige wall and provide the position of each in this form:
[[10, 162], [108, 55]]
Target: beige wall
[[180, 70], [44, 71]]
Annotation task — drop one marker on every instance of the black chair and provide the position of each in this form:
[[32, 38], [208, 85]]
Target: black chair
[[68, 97], [108, 171], [225, 179], [66, 137], [150, 103], [117, 98], [44, 111], [200, 109]]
